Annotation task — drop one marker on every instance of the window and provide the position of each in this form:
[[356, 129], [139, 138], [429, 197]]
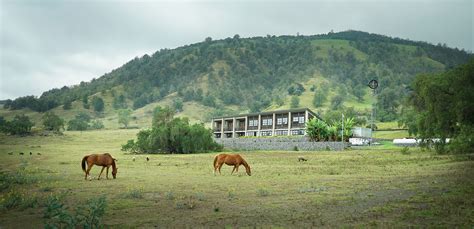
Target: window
[[266, 133], [301, 119], [253, 122], [282, 121], [281, 132], [251, 133], [295, 118], [297, 132], [267, 122]]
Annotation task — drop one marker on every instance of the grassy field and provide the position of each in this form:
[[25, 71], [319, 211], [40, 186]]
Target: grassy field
[[371, 187]]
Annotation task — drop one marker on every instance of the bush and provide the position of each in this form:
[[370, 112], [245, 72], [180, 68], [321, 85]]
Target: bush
[[134, 194], [52, 122], [96, 125], [20, 125], [405, 150], [88, 215], [170, 135], [262, 192]]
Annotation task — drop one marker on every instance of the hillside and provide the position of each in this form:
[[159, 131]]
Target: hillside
[[236, 75]]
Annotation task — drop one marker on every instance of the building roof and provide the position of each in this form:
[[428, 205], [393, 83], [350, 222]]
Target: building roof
[[271, 112]]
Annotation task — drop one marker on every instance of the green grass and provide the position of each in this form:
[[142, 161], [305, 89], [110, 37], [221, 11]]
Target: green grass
[[377, 186], [391, 134]]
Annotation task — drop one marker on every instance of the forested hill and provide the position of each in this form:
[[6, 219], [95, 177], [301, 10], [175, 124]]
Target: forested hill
[[323, 72]]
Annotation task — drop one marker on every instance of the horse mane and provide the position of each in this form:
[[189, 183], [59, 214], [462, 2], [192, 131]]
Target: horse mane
[[244, 162], [113, 164]]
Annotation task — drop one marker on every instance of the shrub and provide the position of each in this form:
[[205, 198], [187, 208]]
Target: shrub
[[87, 215], [20, 125], [169, 195], [262, 192], [96, 125], [90, 214], [172, 135], [134, 194], [317, 130], [405, 150], [52, 122]]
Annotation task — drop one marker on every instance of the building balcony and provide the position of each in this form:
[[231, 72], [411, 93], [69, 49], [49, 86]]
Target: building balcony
[[240, 128]]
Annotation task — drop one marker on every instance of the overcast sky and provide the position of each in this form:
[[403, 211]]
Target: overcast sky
[[48, 44]]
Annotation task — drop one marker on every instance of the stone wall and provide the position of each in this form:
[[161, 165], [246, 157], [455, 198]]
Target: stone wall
[[278, 143]]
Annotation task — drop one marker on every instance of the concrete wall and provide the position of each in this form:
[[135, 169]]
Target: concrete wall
[[278, 143]]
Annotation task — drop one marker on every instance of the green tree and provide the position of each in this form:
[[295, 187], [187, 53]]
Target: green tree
[[444, 107], [209, 101], [85, 102], [80, 122], [319, 98], [172, 135], [67, 105], [119, 102], [52, 122], [317, 129], [98, 104], [295, 101], [96, 125], [162, 116], [360, 92], [178, 104], [20, 125], [336, 102], [124, 117], [3, 125]]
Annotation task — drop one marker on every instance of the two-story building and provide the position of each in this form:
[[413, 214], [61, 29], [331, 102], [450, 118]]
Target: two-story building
[[270, 123]]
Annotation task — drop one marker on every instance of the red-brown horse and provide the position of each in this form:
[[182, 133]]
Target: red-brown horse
[[105, 160], [230, 159]]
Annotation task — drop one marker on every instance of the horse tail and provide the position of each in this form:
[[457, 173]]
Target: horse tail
[[84, 163], [215, 160]]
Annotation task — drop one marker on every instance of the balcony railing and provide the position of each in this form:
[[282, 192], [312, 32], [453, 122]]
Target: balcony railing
[[297, 125]]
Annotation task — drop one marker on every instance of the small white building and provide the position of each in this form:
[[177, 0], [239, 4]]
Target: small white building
[[361, 132]]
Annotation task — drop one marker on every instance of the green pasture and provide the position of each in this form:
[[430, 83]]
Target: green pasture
[[382, 186]]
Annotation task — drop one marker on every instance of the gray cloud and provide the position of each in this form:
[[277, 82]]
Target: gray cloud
[[47, 44]]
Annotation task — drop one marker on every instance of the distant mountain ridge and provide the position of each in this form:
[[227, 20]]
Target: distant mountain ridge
[[236, 74]]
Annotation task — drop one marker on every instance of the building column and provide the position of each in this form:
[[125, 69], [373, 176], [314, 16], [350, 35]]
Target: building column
[[273, 124], [306, 115], [222, 128], [259, 125], [289, 123], [246, 122], [233, 127]]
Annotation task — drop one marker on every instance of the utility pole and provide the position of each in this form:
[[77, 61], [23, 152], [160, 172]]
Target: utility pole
[[342, 132]]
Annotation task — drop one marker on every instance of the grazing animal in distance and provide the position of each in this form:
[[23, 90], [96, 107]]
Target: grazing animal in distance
[[147, 159], [11, 153], [31, 153], [301, 158], [21, 153], [133, 159], [230, 159], [38, 154], [105, 160]]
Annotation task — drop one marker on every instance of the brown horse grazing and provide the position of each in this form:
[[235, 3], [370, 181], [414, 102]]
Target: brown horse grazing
[[230, 159], [105, 160]]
